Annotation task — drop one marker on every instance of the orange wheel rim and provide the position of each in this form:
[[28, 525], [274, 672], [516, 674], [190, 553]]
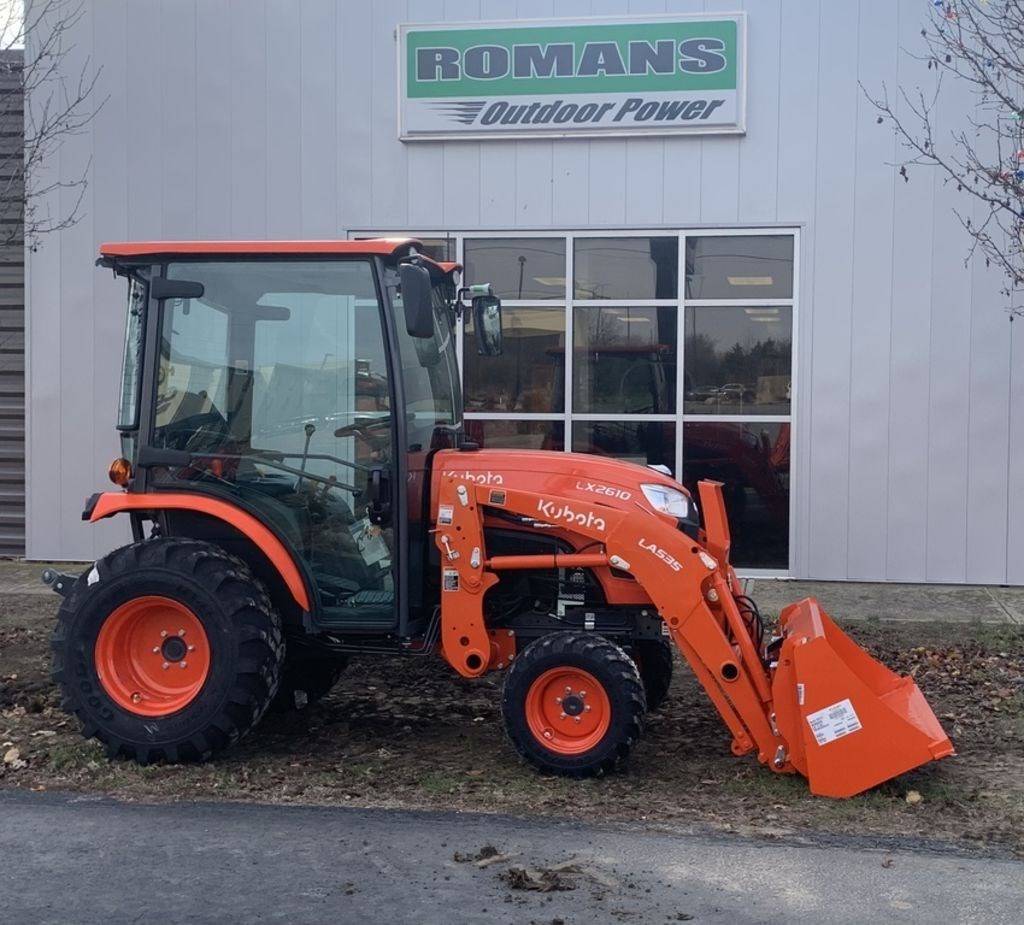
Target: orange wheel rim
[[568, 710], [152, 656]]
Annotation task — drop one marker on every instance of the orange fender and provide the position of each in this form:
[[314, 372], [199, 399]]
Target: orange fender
[[110, 503]]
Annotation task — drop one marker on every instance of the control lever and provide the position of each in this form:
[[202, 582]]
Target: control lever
[[310, 429]]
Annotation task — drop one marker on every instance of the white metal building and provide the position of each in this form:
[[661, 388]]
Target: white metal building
[[739, 286]]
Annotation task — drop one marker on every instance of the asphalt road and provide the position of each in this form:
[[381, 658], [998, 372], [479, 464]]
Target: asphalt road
[[81, 860]]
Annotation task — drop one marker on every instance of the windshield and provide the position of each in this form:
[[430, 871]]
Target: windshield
[[270, 350], [430, 376]]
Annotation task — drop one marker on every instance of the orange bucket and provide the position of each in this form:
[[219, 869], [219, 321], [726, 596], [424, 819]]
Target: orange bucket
[[850, 722]]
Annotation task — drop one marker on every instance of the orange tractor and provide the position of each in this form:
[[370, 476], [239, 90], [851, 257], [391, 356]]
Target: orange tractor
[[300, 489]]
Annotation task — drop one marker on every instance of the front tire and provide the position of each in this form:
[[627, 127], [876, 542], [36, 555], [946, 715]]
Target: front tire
[[305, 681], [653, 659], [167, 650], [573, 704]]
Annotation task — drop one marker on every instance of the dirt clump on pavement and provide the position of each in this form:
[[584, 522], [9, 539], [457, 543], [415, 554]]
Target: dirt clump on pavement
[[408, 732]]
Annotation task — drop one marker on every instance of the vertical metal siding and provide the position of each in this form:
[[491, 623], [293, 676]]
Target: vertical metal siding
[[12, 315], [250, 119], [871, 260]]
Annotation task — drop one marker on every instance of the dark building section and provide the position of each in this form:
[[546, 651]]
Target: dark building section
[[12, 308]]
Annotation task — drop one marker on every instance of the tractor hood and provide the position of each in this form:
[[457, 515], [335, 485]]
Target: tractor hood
[[567, 476]]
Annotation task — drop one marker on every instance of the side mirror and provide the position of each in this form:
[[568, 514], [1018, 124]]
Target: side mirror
[[415, 283], [162, 288], [487, 324]]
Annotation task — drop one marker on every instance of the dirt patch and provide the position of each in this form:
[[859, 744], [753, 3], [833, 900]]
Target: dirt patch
[[408, 733]]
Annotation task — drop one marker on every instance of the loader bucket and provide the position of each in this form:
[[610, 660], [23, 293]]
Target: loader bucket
[[850, 722]]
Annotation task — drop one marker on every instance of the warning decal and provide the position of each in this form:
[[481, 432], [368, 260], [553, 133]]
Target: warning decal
[[834, 722]]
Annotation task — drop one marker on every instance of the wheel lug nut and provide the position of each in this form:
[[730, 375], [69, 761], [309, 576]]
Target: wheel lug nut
[[583, 693], [577, 719], [547, 733], [156, 648], [563, 716], [136, 697], [163, 633], [558, 700], [568, 690], [191, 648], [166, 665], [183, 664], [181, 632], [586, 709]]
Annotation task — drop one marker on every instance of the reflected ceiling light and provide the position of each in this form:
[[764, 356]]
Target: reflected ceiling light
[[749, 280], [638, 319], [762, 311], [771, 319], [550, 280]]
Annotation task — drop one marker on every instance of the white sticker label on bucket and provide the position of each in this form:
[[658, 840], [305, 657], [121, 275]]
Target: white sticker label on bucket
[[834, 722]]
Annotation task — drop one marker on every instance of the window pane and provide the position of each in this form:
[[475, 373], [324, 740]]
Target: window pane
[[127, 417], [625, 360], [739, 267], [752, 460], [626, 268], [517, 435], [738, 360], [646, 444], [518, 268], [528, 376]]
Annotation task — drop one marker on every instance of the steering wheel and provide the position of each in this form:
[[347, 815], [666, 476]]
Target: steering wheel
[[371, 431]]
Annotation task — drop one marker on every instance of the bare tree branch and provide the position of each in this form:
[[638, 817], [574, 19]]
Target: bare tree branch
[[34, 66], [980, 44]]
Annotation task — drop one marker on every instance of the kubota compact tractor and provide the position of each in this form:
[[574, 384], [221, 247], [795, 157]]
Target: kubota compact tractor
[[300, 489]]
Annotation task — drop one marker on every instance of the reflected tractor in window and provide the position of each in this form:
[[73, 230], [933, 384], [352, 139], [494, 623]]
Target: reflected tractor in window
[[300, 489]]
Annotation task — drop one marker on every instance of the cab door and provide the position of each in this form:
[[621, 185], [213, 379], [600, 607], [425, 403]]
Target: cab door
[[280, 373]]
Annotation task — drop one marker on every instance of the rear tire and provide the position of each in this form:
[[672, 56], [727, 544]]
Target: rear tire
[[653, 659], [573, 704], [122, 623]]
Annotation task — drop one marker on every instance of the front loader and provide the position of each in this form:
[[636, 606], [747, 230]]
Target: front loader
[[300, 490]]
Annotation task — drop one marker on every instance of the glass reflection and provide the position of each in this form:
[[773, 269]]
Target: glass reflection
[[626, 268], [528, 376], [518, 268], [645, 443], [752, 460], [739, 267], [738, 360], [625, 360], [517, 435]]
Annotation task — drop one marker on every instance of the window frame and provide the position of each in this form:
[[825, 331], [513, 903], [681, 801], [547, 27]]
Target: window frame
[[568, 303]]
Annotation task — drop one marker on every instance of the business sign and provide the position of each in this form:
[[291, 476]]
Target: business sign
[[641, 76]]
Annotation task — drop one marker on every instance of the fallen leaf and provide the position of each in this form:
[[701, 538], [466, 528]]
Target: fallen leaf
[[11, 755], [914, 797]]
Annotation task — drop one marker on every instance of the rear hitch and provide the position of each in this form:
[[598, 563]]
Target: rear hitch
[[58, 581]]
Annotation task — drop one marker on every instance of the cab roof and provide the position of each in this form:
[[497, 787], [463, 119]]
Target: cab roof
[[375, 246], [113, 253]]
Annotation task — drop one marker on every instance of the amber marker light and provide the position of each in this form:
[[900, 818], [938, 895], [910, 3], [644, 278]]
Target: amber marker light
[[120, 472]]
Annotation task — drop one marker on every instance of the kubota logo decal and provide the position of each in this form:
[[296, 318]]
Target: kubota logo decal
[[481, 478], [554, 512], [598, 489], [665, 557]]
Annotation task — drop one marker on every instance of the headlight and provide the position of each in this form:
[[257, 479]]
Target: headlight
[[668, 500]]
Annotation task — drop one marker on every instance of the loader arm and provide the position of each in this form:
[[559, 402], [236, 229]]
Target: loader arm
[[778, 709]]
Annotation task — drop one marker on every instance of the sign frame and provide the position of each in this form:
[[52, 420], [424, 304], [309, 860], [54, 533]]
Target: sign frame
[[619, 130]]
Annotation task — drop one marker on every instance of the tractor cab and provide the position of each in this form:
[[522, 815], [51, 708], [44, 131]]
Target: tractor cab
[[305, 390]]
